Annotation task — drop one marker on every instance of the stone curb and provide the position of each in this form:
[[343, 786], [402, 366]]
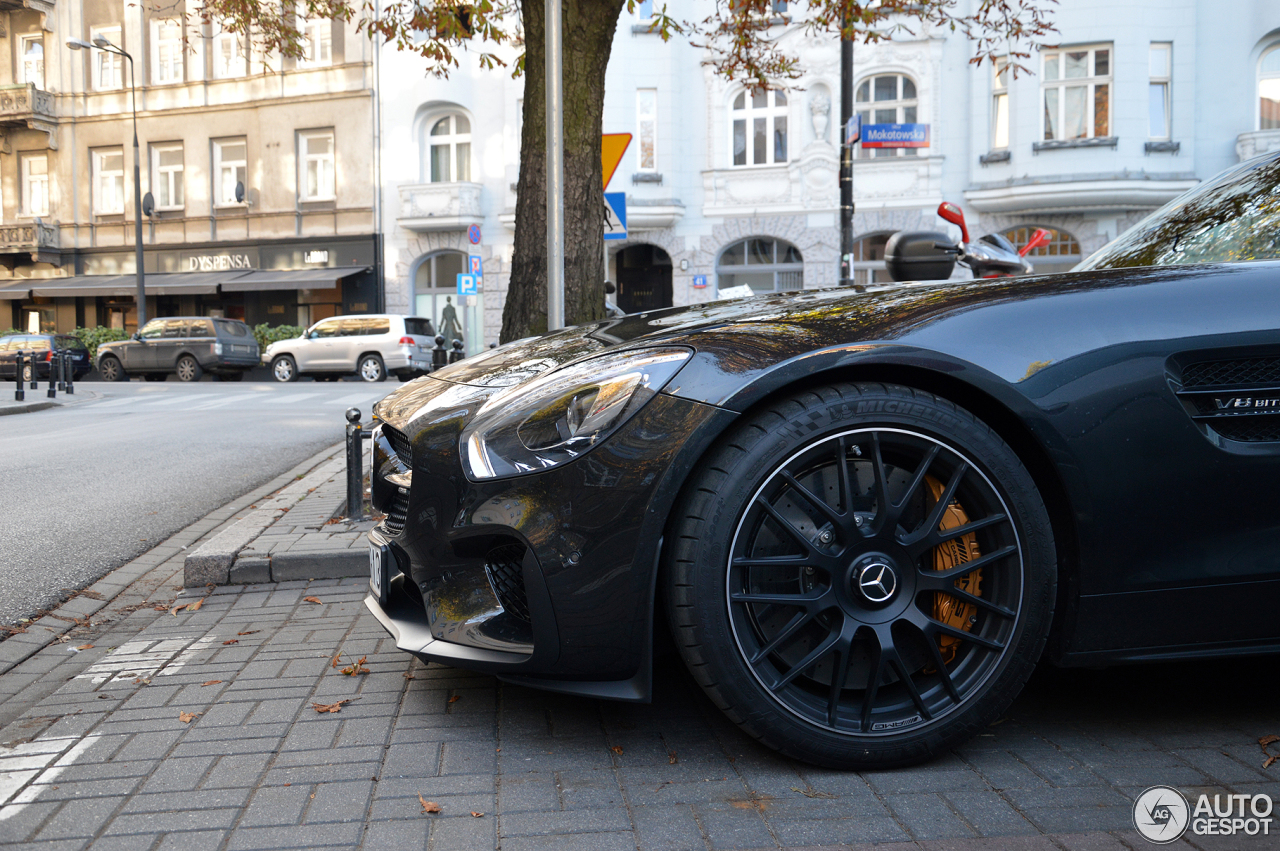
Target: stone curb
[[11, 407], [19, 647], [219, 561]]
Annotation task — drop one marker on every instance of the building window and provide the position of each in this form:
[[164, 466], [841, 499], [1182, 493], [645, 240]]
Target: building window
[[166, 51], [1161, 65], [32, 47], [760, 128], [887, 99], [449, 149], [108, 181], [1000, 105], [644, 10], [229, 56], [107, 67], [1077, 93], [316, 172], [1269, 90], [230, 158], [35, 185], [317, 42], [766, 265], [647, 129], [868, 259], [166, 169]]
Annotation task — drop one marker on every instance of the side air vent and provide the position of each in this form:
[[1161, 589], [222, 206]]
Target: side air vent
[[504, 566], [1236, 399], [400, 443]]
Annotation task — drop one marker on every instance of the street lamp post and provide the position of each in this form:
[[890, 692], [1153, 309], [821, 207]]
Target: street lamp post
[[101, 43]]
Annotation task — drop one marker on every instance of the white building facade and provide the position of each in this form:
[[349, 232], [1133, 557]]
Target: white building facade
[[1139, 101]]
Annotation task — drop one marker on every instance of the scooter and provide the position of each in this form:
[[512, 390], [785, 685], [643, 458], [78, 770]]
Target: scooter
[[931, 255]]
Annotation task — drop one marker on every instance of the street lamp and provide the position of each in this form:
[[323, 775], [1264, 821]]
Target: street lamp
[[101, 43]]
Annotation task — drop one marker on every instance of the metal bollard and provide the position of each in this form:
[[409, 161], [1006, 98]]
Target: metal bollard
[[457, 354], [355, 465], [35, 372], [71, 375], [53, 378], [61, 358], [439, 357], [19, 394]]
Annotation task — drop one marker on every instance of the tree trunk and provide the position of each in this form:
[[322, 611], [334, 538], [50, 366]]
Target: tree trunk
[[589, 26]]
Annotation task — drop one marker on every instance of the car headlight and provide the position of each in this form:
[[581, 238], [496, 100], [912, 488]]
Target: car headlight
[[559, 416]]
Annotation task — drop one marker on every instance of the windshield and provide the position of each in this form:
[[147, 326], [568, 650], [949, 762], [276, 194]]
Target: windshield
[[1233, 218]]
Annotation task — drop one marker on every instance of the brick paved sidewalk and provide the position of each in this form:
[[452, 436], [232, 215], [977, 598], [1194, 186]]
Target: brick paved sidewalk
[[95, 751]]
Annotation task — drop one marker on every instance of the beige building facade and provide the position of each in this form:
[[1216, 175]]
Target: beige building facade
[[260, 172]]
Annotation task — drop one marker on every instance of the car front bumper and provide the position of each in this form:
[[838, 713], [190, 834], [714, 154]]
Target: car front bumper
[[546, 579]]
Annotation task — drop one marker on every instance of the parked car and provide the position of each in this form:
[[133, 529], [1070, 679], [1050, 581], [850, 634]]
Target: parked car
[[187, 346], [43, 346], [368, 345], [866, 517]]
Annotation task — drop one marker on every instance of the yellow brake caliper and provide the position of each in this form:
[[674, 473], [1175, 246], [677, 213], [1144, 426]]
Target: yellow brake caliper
[[946, 608]]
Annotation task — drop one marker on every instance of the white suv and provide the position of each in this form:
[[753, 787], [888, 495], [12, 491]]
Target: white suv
[[369, 345]]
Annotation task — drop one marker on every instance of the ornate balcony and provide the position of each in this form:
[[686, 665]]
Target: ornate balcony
[[1250, 145], [439, 206], [37, 238], [44, 7], [24, 105]]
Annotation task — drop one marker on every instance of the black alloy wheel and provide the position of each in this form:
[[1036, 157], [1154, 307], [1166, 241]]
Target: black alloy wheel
[[371, 368], [188, 369], [284, 368], [862, 590], [110, 369]]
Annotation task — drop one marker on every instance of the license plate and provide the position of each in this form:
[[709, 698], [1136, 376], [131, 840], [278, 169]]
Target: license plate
[[379, 581]]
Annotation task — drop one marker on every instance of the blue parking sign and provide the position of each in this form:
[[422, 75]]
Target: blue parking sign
[[466, 284]]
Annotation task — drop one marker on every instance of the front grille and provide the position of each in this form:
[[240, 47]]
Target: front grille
[[503, 565], [397, 512], [400, 443], [1232, 373]]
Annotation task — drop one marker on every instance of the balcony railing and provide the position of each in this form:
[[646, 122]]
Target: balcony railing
[[38, 238], [25, 105], [440, 206]]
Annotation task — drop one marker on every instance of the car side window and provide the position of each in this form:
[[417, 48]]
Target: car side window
[[377, 326], [174, 328], [234, 329], [37, 344], [200, 328], [152, 330], [328, 328]]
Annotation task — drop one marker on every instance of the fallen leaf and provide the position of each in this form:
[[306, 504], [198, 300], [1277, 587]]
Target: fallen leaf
[[174, 611], [407, 675], [195, 606], [330, 707], [428, 806], [335, 661], [672, 759], [455, 698], [356, 667], [1270, 760], [810, 793], [1267, 740], [211, 683], [85, 647], [311, 600], [617, 749], [232, 641], [475, 814], [104, 697], [188, 717], [249, 632]]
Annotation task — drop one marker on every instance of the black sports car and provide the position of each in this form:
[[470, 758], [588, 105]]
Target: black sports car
[[863, 517]]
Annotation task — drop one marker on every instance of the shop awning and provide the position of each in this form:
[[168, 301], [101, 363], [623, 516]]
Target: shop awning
[[14, 290], [184, 283], [293, 279], [88, 286]]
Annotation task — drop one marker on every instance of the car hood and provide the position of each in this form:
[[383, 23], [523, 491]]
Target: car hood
[[737, 339]]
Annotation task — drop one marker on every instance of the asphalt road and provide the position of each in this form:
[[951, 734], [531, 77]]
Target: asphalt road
[[90, 486]]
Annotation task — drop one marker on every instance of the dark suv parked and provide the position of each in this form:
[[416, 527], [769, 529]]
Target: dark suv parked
[[186, 345], [43, 345]]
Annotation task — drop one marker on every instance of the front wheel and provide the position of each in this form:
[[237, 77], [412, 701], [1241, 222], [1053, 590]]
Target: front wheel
[[864, 576], [188, 369], [111, 369], [371, 368], [284, 368]]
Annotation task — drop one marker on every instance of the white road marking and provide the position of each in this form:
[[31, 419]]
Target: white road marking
[[291, 397], [225, 400]]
